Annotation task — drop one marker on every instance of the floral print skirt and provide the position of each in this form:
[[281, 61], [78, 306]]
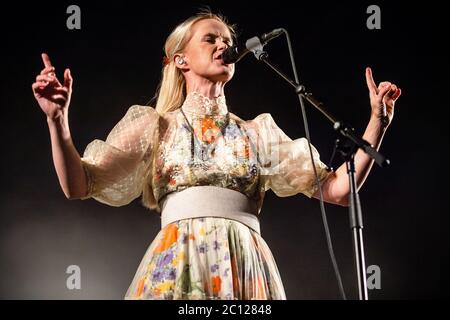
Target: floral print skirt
[[207, 258]]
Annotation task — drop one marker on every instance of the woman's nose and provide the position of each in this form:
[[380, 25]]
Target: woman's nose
[[222, 44]]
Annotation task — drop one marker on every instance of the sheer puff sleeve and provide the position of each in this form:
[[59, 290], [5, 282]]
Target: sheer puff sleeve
[[117, 169], [286, 166]]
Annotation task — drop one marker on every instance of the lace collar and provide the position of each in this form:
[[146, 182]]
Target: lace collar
[[197, 103]]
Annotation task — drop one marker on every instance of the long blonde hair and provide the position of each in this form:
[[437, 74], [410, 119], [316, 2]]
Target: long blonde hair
[[172, 88]]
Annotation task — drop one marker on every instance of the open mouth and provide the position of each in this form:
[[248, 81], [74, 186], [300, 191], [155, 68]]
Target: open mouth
[[219, 58]]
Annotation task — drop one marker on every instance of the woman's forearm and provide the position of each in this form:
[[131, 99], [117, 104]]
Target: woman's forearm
[[66, 158], [336, 187], [363, 163]]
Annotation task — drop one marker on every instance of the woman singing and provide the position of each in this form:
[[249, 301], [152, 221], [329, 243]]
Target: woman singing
[[201, 167]]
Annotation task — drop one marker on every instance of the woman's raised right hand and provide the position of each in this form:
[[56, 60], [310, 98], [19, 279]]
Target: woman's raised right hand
[[52, 96]]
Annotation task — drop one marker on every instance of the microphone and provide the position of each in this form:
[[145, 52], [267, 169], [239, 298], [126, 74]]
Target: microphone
[[236, 52]]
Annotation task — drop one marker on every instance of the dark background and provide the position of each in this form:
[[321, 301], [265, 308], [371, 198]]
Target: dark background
[[115, 60]]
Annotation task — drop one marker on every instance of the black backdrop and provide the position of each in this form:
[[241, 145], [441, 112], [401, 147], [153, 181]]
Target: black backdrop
[[115, 60]]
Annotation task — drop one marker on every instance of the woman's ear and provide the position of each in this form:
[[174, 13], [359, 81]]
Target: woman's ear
[[180, 61]]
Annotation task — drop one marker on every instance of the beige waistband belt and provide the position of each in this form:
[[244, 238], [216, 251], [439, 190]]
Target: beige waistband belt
[[209, 201]]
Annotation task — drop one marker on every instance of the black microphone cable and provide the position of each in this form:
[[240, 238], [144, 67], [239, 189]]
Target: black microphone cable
[[322, 206]]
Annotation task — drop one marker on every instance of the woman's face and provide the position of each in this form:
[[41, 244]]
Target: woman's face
[[209, 38]]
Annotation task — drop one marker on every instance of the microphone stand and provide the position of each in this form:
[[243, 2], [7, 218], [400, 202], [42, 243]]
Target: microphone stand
[[348, 147]]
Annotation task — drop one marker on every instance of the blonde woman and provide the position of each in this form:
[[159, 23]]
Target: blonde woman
[[201, 167]]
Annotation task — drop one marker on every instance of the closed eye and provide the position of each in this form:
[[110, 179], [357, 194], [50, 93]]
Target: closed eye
[[211, 38]]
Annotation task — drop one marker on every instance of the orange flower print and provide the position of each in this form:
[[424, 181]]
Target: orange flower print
[[157, 292], [209, 130], [216, 284], [170, 236], [247, 150], [140, 288], [172, 181]]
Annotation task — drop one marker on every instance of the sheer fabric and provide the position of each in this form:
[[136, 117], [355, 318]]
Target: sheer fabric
[[201, 143], [123, 167]]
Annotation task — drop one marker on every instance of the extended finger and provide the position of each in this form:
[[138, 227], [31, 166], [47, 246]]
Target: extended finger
[[370, 83], [46, 60]]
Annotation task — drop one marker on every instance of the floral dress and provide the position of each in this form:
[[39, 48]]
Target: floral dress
[[201, 143]]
